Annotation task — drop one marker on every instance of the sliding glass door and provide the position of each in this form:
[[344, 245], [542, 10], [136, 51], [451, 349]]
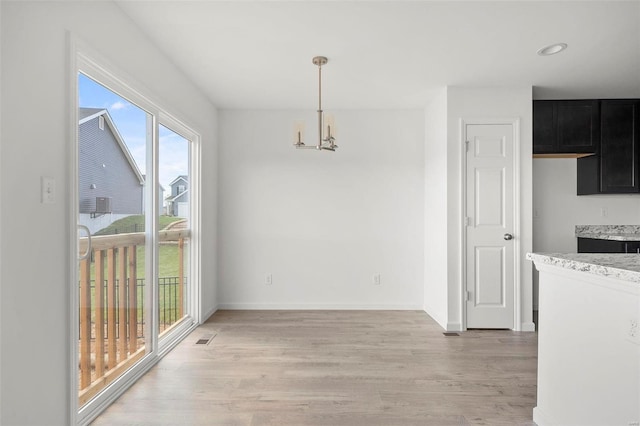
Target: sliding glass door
[[113, 143], [136, 288]]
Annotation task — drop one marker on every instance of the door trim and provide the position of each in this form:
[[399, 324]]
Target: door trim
[[83, 58], [514, 122]]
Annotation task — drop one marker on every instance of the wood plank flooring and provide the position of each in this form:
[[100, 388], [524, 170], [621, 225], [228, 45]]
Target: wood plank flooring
[[335, 368]]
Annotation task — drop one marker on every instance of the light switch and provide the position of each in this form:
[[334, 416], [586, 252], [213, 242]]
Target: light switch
[[48, 186]]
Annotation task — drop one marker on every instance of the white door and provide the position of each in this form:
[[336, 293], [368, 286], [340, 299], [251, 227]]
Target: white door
[[490, 261]]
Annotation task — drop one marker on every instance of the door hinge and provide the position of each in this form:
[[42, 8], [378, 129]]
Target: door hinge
[[467, 221], [469, 296], [466, 144]]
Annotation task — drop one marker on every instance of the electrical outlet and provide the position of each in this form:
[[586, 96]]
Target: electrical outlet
[[268, 279], [376, 279], [48, 190], [633, 329], [604, 212]]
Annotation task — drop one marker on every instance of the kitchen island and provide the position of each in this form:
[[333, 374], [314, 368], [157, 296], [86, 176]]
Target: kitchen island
[[588, 339], [608, 238], [609, 232]]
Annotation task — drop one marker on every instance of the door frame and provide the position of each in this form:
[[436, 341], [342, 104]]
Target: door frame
[[83, 58], [514, 122]]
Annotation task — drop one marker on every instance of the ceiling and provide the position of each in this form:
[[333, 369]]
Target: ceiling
[[393, 54]]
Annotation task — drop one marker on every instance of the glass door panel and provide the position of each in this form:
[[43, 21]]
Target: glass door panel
[[113, 141], [174, 224]]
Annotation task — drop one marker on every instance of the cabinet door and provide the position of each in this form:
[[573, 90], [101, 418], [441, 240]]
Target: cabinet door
[[619, 146], [632, 247], [592, 245], [578, 127], [544, 134]]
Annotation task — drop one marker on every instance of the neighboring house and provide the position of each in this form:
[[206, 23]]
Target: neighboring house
[[178, 202], [110, 185]]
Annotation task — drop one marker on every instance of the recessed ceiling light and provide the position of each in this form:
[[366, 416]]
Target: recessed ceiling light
[[552, 49]]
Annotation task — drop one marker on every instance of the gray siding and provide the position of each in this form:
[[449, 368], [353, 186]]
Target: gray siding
[[180, 181], [182, 198], [116, 179], [178, 197]]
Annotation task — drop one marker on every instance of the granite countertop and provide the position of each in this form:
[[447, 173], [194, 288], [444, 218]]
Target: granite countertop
[[609, 232], [625, 267]]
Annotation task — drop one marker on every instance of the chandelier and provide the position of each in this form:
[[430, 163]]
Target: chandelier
[[326, 125]]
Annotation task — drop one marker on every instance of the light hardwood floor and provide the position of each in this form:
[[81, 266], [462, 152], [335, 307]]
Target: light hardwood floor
[[335, 368]]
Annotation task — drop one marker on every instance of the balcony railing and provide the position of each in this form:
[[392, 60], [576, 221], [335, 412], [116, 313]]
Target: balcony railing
[[112, 306]]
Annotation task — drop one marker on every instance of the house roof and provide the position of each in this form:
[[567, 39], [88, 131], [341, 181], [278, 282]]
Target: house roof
[[88, 114], [175, 198], [183, 177]]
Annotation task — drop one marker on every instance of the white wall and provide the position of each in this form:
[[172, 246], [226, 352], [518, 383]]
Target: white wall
[[36, 262], [475, 103], [436, 276], [321, 223], [557, 209]]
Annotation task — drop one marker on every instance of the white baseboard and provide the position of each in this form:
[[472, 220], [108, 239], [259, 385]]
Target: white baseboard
[[454, 326], [317, 307], [441, 321], [540, 418], [528, 326], [207, 315]]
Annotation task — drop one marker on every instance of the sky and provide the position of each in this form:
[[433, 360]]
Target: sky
[[131, 123]]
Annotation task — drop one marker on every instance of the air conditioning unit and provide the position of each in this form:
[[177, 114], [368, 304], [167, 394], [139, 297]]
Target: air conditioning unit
[[103, 204]]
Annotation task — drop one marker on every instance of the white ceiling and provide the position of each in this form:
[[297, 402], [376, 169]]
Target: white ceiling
[[393, 54]]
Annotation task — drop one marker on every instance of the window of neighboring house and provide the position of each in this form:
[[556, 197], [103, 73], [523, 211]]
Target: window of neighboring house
[[181, 189]]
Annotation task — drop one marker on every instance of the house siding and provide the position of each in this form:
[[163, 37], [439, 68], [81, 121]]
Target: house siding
[[116, 179], [176, 183], [182, 197]]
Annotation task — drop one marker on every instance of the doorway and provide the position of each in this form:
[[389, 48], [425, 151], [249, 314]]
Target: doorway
[[135, 286]]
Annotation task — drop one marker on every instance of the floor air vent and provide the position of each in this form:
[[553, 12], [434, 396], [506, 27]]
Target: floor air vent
[[205, 340], [450, 334]]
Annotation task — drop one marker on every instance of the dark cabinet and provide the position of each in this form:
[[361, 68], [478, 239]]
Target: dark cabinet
[[632, 247], [619, 146], [571, 126], [592, 245], [615, 170]]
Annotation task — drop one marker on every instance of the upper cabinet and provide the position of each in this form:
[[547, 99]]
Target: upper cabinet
[[616, 169], [566, 127], [619, 146]]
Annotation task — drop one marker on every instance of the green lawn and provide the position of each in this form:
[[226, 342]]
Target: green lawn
[[134, 223]]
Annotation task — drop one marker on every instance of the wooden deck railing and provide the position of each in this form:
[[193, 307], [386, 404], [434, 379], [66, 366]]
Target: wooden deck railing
[[111, 310]]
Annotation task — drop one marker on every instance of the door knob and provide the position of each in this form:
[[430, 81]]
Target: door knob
[[508, 237]]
